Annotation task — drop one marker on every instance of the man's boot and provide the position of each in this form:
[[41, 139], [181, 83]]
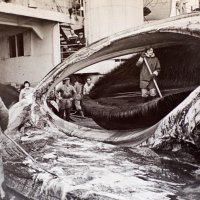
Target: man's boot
[[81, 113]]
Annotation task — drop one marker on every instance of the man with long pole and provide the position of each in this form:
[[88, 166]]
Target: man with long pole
[[150, 69]]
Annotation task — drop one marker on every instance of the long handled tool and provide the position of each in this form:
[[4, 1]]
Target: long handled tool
[[28, 155], [154, 81]]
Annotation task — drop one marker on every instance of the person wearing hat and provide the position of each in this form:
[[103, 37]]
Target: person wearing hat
[[81, 39], [65, 94], [146, 79]]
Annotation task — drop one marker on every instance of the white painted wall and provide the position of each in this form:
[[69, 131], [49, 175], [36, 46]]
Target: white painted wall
[[44, 55], [105, 17], [40, 19], [56, 45]]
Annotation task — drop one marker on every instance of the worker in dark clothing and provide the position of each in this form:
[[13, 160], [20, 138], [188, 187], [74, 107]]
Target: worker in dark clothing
[[65, 94], [81, 39], [146, 79]]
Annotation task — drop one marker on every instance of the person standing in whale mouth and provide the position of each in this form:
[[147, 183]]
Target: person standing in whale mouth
[[147, 86]]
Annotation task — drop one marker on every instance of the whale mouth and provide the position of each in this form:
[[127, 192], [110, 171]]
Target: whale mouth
[[178, 51], [176, 44], [115, 103], [131, 115]]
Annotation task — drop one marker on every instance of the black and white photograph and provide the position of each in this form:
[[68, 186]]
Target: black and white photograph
[[99, 99]]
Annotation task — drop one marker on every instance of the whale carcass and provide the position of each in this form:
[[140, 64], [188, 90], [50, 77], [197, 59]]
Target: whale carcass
[[44, 133]]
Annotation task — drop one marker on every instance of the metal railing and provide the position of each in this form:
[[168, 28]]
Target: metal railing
[[68, 49]]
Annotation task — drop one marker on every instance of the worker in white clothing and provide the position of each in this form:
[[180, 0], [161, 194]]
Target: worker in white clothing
[[88, 86]]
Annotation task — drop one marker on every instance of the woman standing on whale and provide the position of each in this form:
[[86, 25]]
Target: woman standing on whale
[[26, 91]]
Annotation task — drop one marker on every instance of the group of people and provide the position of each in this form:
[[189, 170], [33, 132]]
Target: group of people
[[73, 38], [65, 96], [181, 6], [73, 43]]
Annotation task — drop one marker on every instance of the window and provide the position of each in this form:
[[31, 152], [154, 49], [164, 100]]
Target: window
[[20, 44], [12, 46], [16, 45], [81, 11]]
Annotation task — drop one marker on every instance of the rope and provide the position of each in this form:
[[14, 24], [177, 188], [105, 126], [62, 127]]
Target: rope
[[28, 155]]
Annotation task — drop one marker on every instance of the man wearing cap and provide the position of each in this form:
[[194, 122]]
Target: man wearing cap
[[65, 94]]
